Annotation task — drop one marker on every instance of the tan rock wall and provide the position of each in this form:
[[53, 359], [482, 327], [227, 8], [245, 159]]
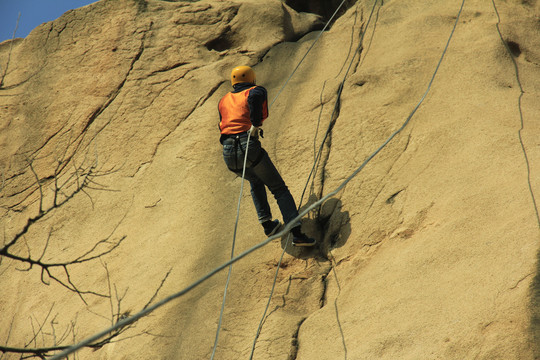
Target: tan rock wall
[[430, 252]]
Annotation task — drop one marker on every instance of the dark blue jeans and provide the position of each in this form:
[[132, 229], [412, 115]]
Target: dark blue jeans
[[260, 172]]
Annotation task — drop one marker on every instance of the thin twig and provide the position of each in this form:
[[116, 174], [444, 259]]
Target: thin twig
[[158, 289], [38, 181], [10, 50]]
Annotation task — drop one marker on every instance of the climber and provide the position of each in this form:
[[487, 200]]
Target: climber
[[243, 111]]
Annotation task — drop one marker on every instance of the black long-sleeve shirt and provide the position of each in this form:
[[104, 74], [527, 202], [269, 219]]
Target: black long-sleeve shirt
[[256, 98]]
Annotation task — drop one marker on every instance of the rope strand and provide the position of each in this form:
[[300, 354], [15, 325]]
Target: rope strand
[[232, 249]]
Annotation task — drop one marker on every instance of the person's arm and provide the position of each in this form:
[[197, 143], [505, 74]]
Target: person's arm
[[256, 100]]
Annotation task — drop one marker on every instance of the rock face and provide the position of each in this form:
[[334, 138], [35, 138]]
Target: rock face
[[112, 182]]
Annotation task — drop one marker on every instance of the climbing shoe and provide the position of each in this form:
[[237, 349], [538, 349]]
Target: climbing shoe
[[271, 227], [302, 240]]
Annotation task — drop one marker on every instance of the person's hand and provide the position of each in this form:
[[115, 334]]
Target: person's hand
[[254, 131]]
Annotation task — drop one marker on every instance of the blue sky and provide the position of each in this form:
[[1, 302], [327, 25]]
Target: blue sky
[[33, 13]]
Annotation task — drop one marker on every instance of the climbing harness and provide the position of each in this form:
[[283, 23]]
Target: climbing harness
[[239, 153]]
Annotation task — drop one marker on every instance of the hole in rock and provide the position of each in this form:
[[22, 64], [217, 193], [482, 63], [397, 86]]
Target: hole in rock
[[222, 42], [392, 197], [514, 48], [324, 8]]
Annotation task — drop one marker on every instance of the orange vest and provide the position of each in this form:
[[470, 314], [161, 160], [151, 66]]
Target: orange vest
[[234, 111]]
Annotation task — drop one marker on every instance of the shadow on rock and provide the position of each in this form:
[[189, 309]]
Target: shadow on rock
[[535, 311], [328, 224]]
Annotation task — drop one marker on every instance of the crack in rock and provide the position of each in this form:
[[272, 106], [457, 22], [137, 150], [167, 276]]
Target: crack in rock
[[295, 344], [115, 92], [168, 68]]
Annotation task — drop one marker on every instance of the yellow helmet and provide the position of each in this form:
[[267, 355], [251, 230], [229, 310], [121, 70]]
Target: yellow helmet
[[242, 74]]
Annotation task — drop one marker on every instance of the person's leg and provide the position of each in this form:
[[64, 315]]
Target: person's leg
[[269, 175], [233, 155], [258, 194], [262, 170], [267, 172], [260, 200]]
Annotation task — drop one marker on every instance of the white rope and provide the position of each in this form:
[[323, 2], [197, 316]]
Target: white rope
[[307, 52], [232, 247]]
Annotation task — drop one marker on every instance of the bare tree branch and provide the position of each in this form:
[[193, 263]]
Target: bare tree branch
[[157, 291], [38, 182], [10, 50], [116, 316], [63, 190], [40, 329], [49, 193], [9, 334]]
